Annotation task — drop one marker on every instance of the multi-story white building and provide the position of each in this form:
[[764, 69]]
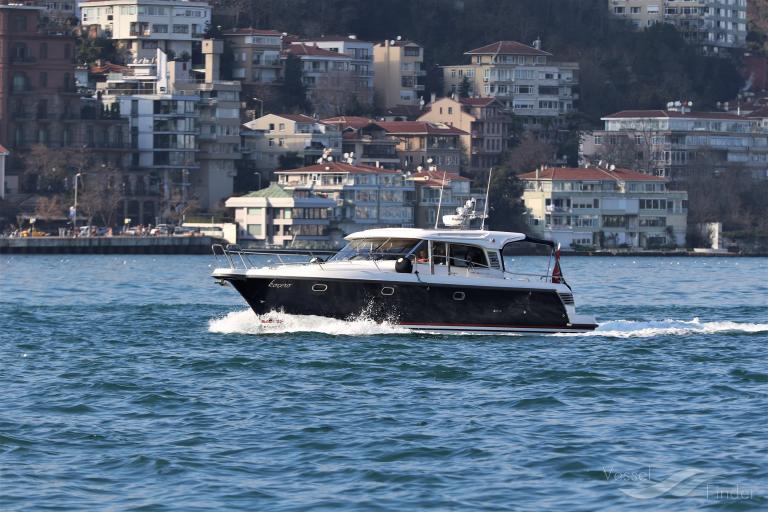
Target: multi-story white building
[[256, 55], [712, 24], [366, 197], [144, 26], [361, 67], [274, 216], [678, 143], [332, 85], [595, 207], [269, 137], [524, 78], [218, 130], [400, 72]]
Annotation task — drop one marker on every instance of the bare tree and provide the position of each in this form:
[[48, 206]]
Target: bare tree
[[339, 93], [45, 168], [530, 153], [50, 208], [101, 196]]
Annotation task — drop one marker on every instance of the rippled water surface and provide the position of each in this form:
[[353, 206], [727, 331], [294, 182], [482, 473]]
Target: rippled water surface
[[134, 382]]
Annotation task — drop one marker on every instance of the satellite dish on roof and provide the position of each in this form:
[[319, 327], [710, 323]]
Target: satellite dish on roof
[[678, 104], [399, 38], [419, 168], [346, 155], [612, 167]]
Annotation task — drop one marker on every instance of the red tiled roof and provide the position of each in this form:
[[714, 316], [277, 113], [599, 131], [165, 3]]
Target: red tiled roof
[[404, 111], [588, 173], [435, 178], [355, 122], [299, 118], [419, 128], [478, 102], [340, 167], [251, 32], [3, 151], [635, 114], [506, 48], [300, 49]]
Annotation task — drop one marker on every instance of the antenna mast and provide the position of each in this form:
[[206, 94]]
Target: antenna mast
[[440, 201], [485, 206]]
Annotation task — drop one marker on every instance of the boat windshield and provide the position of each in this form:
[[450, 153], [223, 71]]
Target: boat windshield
[[375, 248]]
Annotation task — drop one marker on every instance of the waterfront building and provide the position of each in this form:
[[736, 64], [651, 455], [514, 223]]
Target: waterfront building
[[421, 143], [365, 197], [367, 142], [538, 90], [399, 77], [270, 137], [361, 69], [256, 55], [488, 128], [144, 26], [678, 143], [599, 208], [714, 25], [274, 216]]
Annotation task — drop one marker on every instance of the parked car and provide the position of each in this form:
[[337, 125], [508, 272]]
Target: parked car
[[161, 230], [184, 231]]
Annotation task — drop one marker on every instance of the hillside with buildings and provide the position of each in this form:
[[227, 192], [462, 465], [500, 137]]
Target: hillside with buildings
[[306, 120]]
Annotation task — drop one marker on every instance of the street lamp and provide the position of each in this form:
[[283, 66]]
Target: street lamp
[[261, 106], [74, 212]]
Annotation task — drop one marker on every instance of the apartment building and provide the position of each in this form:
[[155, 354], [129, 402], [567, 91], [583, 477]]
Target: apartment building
[[256, 55], [361, 68], [366, 142], [540, 91], [399, 78], [715, 25], [332, 87], [272, 136], [488, 128], [421, 143], [39, 103], [601, 208], [144, 26], [678, 143], [218, 138], [276, 217], [365, 197]]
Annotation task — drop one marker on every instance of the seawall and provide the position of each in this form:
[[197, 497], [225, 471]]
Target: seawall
[[109, 245]]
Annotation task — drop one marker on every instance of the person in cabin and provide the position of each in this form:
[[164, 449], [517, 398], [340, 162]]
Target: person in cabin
[[422, 256]]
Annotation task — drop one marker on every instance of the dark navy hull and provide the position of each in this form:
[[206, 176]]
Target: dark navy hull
[[438, 307]]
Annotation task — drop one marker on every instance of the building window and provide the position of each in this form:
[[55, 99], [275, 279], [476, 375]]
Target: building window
[[67, 51], [255, 211], [43, 79], [254, 229], [19, 82], [160, 29], [43, 50], [181, 29], [20, 23]]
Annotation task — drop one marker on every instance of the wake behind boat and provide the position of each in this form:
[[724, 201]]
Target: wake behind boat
[[434, 280]]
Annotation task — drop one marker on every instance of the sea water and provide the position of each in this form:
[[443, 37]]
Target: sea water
[[137, 383]]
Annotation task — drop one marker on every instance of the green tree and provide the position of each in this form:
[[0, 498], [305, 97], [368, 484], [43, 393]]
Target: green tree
[[294, 90], [464, 88]]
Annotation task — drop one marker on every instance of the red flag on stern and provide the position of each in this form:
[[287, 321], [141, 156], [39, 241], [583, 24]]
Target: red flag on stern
[[557, 274]]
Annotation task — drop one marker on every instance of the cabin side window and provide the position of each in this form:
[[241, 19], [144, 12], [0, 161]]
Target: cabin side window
[[468, 256]]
